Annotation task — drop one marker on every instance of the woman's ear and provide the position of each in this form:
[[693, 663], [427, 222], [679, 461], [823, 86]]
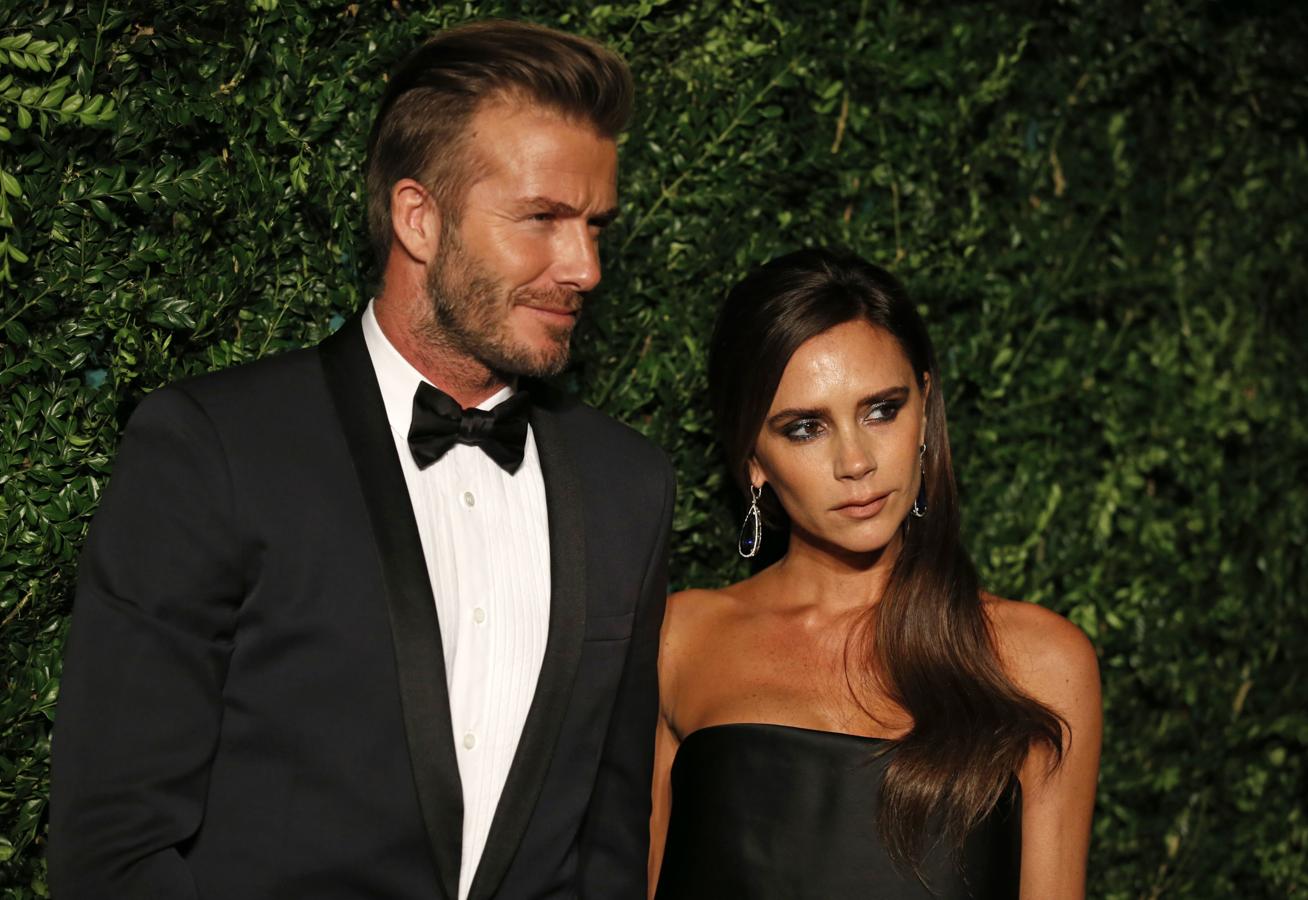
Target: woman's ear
[[926, 395], [755, 472]]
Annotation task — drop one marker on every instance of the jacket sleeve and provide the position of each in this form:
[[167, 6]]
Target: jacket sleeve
[[615, 836], [138, 717]]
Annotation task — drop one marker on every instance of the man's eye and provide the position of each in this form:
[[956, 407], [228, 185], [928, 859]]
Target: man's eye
[[542, 217]]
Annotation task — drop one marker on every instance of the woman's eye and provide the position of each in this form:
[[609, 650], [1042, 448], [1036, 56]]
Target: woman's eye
[[883, 412], [803, 430]]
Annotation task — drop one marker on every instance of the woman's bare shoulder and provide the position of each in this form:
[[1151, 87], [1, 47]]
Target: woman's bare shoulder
[[1049, 656], [693, 607], [692, 597], [693, 625], [697, 611]]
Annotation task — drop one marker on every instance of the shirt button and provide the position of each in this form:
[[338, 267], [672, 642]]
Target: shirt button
[[479, 615], [469, 740], [469, 500]]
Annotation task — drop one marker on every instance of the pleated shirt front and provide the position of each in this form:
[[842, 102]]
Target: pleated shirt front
[[485, 536]]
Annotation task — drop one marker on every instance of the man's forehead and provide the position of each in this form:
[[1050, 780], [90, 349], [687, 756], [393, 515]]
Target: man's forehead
[[503, 111], [532, 153]]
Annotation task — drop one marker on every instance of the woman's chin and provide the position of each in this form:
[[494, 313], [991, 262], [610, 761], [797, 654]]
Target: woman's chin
[[867, 541]]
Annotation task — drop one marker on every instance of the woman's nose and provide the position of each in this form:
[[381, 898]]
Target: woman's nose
[[854, 459]]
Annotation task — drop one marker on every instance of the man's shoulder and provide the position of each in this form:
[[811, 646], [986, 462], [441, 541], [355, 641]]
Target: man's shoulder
[[275, 372], [599, 432], [252, 394]]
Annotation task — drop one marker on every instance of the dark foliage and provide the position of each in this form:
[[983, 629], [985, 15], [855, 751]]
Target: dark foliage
[[1097, 205]]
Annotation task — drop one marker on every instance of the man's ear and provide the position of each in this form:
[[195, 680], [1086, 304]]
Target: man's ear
[[415, 220]]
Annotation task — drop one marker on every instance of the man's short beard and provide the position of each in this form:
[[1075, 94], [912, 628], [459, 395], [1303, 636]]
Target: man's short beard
[[469, 315]]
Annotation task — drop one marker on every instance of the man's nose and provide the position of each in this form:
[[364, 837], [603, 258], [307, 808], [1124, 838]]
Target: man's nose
[[577, 262]]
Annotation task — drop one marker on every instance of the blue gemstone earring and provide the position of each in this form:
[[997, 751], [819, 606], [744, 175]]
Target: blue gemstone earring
[[920, 503], [751, 532]]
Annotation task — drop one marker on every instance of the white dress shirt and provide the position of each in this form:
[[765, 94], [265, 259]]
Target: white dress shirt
[[485, 537]]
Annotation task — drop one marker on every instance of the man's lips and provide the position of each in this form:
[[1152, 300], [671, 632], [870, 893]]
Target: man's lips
[[557, 309], [863, 507], [554, 310]]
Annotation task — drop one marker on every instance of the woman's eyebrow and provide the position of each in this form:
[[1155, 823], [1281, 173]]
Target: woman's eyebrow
[[896, 392], [796, 413]]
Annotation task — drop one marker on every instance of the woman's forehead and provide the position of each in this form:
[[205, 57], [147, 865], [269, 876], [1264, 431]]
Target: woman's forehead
[[855, 358]]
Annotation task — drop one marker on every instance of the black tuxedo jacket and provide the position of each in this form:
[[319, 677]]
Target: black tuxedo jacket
[[254, 702]]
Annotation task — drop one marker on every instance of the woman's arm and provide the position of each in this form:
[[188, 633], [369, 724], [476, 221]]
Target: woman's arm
[[1054, 662], [666, 737], [665, 749]]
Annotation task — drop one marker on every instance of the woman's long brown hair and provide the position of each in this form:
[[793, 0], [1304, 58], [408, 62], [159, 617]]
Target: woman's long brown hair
[[927, 643]]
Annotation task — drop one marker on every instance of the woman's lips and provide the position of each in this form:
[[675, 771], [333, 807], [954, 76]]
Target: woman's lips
[[863, 508]]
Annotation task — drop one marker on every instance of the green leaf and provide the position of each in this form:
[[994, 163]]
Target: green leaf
[[17, 334], [15, 41], [101, 210]]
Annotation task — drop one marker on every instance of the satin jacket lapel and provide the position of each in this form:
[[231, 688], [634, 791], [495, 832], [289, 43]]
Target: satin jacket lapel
[[415, 629], [562, 652]]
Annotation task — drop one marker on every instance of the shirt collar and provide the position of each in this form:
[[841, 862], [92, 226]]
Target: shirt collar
[[399, 380]]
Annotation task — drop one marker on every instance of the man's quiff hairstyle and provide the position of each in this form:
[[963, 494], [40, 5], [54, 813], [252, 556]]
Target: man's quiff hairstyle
[[421, 129]]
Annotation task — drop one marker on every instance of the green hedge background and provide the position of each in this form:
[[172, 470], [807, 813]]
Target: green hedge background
[[1100, 206]]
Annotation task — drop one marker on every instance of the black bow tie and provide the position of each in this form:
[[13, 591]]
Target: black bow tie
[[439, 423]]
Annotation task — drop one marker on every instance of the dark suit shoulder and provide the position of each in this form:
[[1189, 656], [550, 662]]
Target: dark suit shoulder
[[267, 380], [256, 409], [600, 434]]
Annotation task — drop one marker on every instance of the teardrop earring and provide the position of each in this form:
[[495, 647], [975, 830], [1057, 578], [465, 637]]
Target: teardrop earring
[[751, 532], [920, 503]]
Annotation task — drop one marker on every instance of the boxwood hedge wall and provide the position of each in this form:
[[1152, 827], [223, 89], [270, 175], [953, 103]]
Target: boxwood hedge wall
[[1098, 205]]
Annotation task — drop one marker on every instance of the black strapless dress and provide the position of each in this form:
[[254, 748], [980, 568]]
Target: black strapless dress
[[774, 812]]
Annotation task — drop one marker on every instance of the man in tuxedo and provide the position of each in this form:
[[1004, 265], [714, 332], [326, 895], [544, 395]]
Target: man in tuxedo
[[379, 618]]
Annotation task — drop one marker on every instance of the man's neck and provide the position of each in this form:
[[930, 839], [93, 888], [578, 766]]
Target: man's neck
[[464, 378]]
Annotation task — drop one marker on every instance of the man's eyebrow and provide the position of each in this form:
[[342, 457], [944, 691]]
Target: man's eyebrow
[[897, 392], [567, 210]]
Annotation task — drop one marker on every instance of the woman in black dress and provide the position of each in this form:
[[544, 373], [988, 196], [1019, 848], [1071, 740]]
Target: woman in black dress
[[859, 719]]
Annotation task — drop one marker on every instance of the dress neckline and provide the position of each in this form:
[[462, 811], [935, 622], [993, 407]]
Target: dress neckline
[[778, 727]]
